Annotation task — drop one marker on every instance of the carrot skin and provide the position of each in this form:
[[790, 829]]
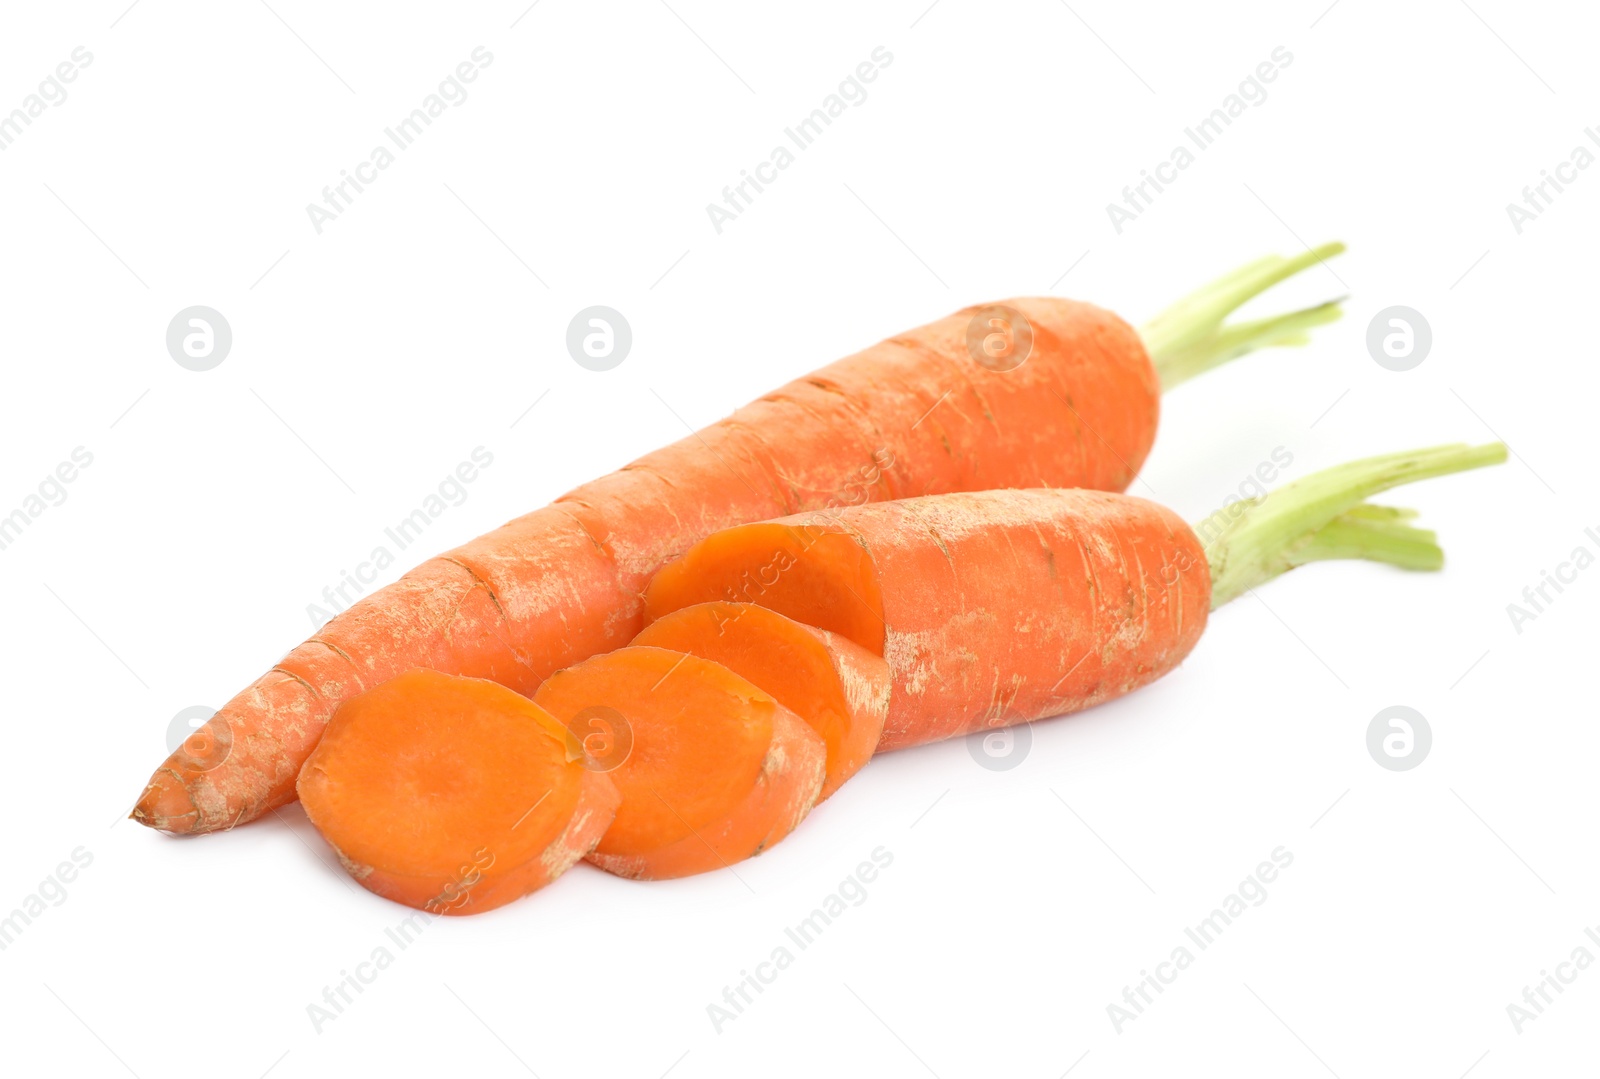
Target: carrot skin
[[910, 416]]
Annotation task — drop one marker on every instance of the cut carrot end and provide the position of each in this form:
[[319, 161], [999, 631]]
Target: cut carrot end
[[717, 770], [816, 574], [452, 795], [838, 688]]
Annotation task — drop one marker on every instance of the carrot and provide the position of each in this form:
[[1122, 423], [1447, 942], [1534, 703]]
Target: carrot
[[1001, 607], [1038, 392], [839, 688], [453, 795], [717, 771]]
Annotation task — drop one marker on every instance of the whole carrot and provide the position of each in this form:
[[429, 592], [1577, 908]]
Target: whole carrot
[[1001, 607], [1033, 392]]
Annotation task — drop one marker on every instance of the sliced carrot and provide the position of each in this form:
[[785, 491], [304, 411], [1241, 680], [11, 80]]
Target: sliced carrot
[[1001, 607], [835, 685], [991, 608], [717, 770], [451, 794]]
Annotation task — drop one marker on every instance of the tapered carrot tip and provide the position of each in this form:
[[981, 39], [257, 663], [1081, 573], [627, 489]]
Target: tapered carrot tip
[[453, 795], [717, 770], [166, 805], [838, 688], [243, 761]]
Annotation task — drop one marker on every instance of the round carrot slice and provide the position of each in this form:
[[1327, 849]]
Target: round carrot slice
[[716, 769], [839, 688], [453, 795]]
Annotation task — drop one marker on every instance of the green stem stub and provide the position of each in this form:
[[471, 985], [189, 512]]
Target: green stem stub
[[1326, 515], [1189, 338]]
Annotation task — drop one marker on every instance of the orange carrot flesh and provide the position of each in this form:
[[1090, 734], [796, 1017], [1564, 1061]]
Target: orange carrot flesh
[[717, 770], [453, 795], [815, 571], [838, 688], [998, 607]]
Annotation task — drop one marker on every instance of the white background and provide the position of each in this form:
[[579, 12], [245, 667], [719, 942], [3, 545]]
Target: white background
[[370, 359]]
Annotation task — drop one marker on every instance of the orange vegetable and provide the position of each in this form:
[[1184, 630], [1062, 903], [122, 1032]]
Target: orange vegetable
[[990, 608], [1042, 392], [711, 769], [839, 688], [453, 795], [1001, 607]]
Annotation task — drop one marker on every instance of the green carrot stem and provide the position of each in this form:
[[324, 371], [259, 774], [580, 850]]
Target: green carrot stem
[[1189, 338], [1326, 516]]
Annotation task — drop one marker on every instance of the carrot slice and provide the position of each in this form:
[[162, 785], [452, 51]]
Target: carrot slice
[[839, 688], [452, 794], [716, 770]]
